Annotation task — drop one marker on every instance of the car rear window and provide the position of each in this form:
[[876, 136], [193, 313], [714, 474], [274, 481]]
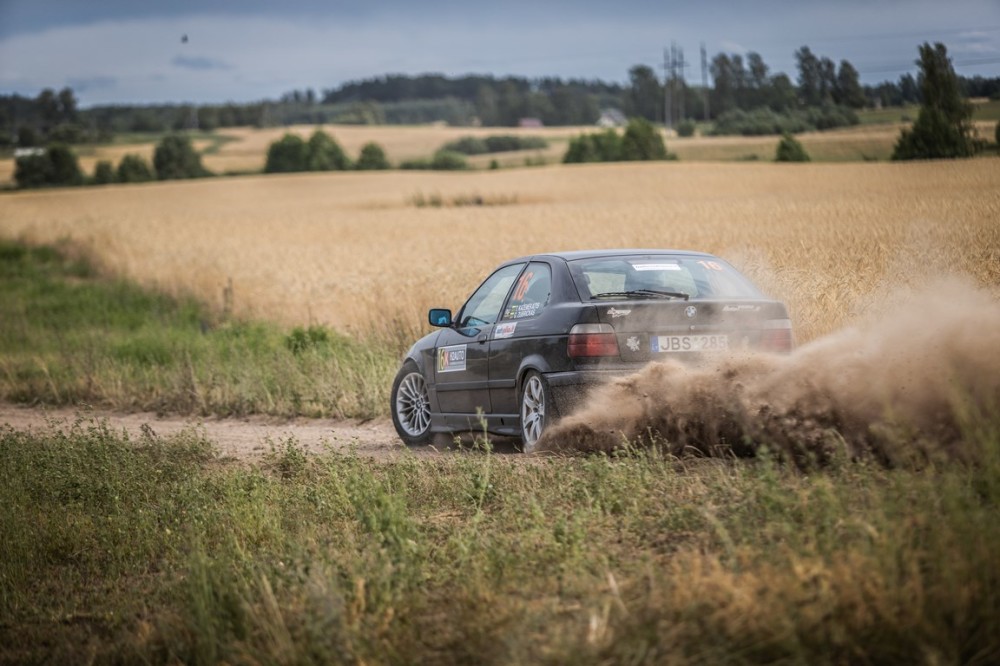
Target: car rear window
[[696, 276]]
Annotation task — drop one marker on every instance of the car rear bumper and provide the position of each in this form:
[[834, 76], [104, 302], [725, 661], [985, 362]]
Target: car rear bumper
[[570, 390]]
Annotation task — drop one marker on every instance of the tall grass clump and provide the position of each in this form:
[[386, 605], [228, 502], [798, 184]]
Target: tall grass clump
[[153, 550], [71, 336]]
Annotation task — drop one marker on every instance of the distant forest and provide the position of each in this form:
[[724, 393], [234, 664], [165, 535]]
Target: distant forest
[[823, 94]]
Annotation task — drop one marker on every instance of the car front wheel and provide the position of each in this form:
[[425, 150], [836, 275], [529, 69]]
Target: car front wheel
[[537, 410], [411, 408]]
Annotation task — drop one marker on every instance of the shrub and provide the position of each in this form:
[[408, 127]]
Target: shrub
[[33, 171], [605, 146], [415, 164], [323, 153], [446, 160], [175, 158], [57, 166], [287, 154], [506, 143], [372, 157], [104, 173], [790, 150], [467, 145], [642, 141], [135, 169], [471, 145], [686, 128]]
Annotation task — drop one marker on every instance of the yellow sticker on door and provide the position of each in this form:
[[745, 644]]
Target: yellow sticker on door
[[451, 359]]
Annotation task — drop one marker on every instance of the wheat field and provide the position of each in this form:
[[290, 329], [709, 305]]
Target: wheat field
[[352, 251]]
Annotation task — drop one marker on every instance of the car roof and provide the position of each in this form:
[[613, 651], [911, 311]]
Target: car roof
[[599, 254]]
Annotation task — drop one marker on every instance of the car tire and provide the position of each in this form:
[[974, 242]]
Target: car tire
[[410, 406], [537, 410]]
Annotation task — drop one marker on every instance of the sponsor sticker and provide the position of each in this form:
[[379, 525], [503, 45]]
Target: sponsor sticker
[[632, 343], [656, 267], [522, 311], [504, 330], [451, 359], [615, 313], [745, 307]]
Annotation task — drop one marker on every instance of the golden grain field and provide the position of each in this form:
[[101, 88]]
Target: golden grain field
[[352, 251]]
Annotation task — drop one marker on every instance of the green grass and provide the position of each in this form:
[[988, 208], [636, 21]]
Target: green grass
[[69, 335], [153, 550]]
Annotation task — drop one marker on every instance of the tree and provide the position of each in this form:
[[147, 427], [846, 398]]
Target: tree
[[810, 77], [134, 169], [642, 141], [287, 154], [325, 154], [645, 95], [372, 157], [724, 91], [790, 150], [944, 127], [176, 158], [848, 90]]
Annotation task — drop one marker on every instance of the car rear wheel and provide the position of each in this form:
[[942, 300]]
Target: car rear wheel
[[411, 408], [537, 410]]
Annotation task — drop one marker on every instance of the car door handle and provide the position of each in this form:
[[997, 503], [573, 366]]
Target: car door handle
[[483, 338]]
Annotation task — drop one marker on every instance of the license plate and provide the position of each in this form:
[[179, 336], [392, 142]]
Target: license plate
[[688, 343]]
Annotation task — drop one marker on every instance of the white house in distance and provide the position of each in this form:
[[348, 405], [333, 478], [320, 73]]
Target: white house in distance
[[612, 118]]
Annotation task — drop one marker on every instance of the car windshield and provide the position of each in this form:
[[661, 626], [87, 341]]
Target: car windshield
[[698, 277]]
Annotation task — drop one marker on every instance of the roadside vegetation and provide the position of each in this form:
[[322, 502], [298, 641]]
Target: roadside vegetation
[[73, 336], [154, 550]]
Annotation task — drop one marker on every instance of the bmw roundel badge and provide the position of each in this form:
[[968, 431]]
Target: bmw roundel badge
[[691, 311]]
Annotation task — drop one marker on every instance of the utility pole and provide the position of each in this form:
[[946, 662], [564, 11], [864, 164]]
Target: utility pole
[[704, 78], [668, 65], [679, 66]]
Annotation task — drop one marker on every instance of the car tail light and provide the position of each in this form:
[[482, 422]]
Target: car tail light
[[592, 340], [777, 336]]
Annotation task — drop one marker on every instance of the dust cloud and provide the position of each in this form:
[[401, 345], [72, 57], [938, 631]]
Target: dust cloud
[[899, 388]]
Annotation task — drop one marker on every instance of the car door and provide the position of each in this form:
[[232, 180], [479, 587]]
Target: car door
[[519, 333], [461, 369]]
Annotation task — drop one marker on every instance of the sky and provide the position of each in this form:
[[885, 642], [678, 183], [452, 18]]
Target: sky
[[134, 52]]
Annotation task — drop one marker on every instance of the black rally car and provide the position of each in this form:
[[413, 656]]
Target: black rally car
[[542, 329]]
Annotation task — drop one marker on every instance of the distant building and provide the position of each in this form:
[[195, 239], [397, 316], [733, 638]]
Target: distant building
[[530, 122], [28, 152], [612, 118]]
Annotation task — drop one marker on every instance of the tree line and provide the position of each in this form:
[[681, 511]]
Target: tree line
[[744, 97]]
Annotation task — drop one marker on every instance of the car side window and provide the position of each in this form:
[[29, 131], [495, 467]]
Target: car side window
[[531, 293], [483, 307]]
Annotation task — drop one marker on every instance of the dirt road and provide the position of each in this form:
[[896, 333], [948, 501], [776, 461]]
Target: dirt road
[[240, 438], [247, 438]]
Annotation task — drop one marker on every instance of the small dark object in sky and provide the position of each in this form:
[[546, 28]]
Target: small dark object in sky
[[184, 39]]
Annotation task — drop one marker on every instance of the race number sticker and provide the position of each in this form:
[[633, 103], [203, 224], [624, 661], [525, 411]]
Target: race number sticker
[[451, 359]]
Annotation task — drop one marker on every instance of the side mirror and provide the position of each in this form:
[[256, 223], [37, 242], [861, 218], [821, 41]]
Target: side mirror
[[440, 317]]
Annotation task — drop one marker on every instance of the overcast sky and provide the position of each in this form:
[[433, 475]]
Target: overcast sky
[[131, 51]]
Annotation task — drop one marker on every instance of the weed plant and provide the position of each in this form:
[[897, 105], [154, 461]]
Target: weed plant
[[154, 550]]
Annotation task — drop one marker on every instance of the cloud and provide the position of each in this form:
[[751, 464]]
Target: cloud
[[199, 63]]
